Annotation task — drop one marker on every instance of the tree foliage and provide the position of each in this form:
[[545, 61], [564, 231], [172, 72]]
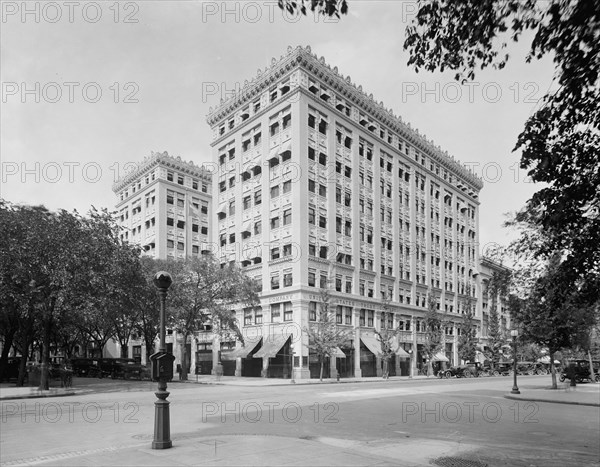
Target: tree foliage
[[386, 336], [467, 339], [325, 336], [322, 7], [204, 293], [556, 312], [434, 332]]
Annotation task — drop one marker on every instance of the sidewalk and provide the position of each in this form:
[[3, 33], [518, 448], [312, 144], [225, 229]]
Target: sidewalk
[[582, 394], [9, 392], [246, 450]]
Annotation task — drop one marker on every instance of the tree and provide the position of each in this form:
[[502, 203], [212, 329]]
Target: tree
[[434, 332], [204, 292], [467, 339], [497, 288], [386, 337], [560, 142], [325, 336], [555, 313]]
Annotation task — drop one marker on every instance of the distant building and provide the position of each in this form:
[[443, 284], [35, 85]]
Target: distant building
[[165, 206], [318, 183]]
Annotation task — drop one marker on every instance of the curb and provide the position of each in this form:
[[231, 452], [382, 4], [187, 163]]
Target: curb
[[36, 396], [551, 401]]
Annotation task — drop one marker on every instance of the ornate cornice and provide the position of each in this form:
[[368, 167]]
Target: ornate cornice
[[301, 57], [161, 159]]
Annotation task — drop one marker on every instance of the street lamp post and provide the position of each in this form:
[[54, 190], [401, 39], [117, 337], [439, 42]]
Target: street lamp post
[[410, 364], [292, 381], [515, 389], [162, 371]]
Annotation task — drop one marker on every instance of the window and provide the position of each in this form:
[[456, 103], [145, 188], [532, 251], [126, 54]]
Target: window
[[275, 312], [322, 190], [170, 221], [287, 217], [287, 279], [287, 311], [257, 197], [274, 282], [275, 253], [312, 311], [180, 246], [258, 317], [275, 222], [247, 202], [257, 227], [323, 281], [311, 216], [275, 191], [170, 176], [287, 186], [170, 244], [339, 314], [311, 186], [311, 278], [180, 180], [180, 224]]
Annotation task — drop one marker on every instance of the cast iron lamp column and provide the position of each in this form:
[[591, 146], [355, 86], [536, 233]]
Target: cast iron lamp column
[[162, 422], [515, 389]]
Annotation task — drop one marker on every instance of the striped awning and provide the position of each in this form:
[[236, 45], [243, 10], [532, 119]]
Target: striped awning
[[372, 344]]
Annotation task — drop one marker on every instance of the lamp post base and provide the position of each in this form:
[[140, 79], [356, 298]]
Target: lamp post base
[[162, 424], [515, 391]]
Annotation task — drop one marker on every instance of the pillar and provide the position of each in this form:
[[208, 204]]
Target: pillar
[[357, 370]]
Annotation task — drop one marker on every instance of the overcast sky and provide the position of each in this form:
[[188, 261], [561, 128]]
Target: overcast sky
[[91, 87]]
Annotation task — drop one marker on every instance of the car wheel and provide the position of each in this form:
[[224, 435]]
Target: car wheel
[[448, 374], [467, 374], [597, 378], [496, 373], [562, 378]]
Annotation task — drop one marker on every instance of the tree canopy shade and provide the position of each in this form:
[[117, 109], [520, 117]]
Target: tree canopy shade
[[204, 293], [323, 7], [325, 335], [557, 312], [560, 143]]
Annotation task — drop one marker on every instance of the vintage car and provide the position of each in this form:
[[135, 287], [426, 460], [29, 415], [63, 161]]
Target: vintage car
[[469, 370], [580, 369], [85, 367], [126, 368]]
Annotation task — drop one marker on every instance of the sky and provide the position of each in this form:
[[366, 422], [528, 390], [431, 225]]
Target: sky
[[91, 88]]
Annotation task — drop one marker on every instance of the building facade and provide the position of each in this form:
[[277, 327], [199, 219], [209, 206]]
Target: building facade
[[164, 205], [318, 185]]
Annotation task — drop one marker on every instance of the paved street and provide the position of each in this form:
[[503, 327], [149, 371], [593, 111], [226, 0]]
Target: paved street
[[369, 423]]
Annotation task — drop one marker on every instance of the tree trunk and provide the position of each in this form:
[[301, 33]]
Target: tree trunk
[[44, 379], [553, 371], [8, 341], [184, 375], [385, 368], [592, 376], [124, 350], [23, 363], [321, 361], [430, 368]]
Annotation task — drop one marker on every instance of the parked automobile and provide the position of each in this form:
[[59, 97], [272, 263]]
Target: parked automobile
[[85, 367], [11, 371], [126, 368], [580, 369], [469, 370]]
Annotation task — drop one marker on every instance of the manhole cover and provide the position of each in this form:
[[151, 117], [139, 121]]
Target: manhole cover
[[457, 462]]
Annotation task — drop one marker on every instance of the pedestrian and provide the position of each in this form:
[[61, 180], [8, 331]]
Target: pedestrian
[[179, 370]]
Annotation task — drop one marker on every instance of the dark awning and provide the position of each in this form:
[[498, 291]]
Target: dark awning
[[240, 352], [272, 346]]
